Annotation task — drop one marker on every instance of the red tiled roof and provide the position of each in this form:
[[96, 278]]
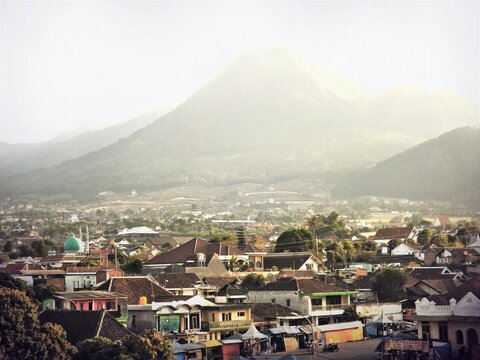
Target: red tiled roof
[[194, 246], [81, 325], [179, 254], [396, 232], [444, 220], [250, 248], [13, 268], [134, 287]]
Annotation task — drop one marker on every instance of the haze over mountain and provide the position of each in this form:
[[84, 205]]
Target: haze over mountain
[[20, 158], [268, 116], [446, 168]]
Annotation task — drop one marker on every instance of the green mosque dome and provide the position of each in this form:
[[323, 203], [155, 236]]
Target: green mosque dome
[[73, 244]]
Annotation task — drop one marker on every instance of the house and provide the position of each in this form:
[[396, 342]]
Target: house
[[293, 261], [442, 221], [195, 250], [266, 315], [402, 233], [317, 299], [82, 325], [35, 275], [406, 249], [469, 235], [221, 320], [204, 265], [113, 302], [176, 314], [192, 318], [255, 256], [453, 317], [137, 233], [179, 284], [451, 256], [86, 277], [135, 287]]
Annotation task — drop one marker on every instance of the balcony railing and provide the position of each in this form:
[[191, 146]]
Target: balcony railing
[[330, 307], [435, 310], [226, 325]]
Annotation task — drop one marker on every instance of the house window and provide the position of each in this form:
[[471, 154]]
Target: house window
[[134, 321], [111, 305], [273, 300], [213, 316], [194, 321], [90, 305], [443, 330], [317, 301], [226, 316], [288, 302], [241, 314], [309, 266], [334, 300], [459, 337]]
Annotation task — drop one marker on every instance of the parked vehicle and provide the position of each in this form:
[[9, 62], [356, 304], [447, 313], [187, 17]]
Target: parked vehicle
[[330, 347]]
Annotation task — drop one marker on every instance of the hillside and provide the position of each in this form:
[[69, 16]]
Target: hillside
[[267, 117], [446, 168], [20, 158]]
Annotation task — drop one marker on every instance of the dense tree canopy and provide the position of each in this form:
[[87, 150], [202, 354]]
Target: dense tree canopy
[[21, 334], [253, 281], [389, 285], [149, 346], [296, 240]]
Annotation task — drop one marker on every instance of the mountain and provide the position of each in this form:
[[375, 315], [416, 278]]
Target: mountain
[[20, 158], [414, 110], [446, 168], [268, 116]]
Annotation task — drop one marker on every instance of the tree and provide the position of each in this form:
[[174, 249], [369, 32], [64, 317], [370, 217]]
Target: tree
[[22, 336], [348, 249], [166, 247], [294, 240], [392, 244], [350, 314], [150, 345], [100, 348], [133, 266], [369, 245], [41, 247], [26, 250], [331, 257], [313, 222], [424, 236], [4, 257], [240, 238], [8, 247], [440, 240], [389, 285], [253, 281]]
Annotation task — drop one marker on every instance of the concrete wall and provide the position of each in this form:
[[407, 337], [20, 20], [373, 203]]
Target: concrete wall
[[140, 320], [297, 302]]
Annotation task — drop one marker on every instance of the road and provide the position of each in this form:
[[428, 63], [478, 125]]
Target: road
[[358, 350]]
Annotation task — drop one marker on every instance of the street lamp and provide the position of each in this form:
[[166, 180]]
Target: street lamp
[[311, 326]]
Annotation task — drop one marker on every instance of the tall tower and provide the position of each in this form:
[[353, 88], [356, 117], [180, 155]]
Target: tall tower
[[87, 240]]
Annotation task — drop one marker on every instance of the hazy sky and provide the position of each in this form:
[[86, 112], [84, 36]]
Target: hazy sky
[[71, 64]]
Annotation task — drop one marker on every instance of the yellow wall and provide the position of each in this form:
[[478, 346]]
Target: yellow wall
[[207, 315], [342, 336]]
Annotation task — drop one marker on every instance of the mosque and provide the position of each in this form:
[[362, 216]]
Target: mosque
[[75, 246]]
